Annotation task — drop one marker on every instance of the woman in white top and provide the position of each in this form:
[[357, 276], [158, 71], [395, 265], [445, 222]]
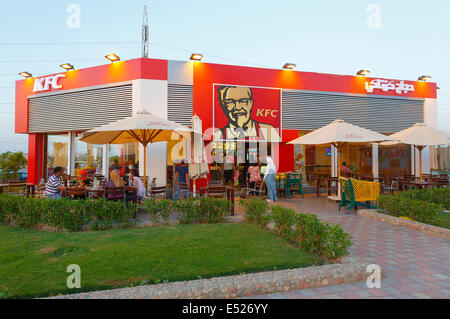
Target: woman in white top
[[136, 183], [269, 178]]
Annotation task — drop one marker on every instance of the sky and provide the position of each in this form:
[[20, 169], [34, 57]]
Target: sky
[[393, 39]]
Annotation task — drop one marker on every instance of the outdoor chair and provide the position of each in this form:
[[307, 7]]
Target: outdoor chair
[[183, 187], [358, 193], [389, 186], [41, 189], [157, 190], [332, 185], [114, 193], [255, 191], [218, 182], [293, 184], [217, 191]]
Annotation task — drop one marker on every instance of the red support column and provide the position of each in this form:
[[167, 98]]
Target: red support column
[[35, 158]]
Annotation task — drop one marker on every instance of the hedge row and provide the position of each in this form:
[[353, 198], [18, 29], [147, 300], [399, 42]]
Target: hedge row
[[189, 211], [64, 214], [316, 236], [419, 205]]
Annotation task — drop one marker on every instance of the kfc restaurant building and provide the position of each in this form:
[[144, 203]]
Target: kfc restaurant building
[[239, 107]]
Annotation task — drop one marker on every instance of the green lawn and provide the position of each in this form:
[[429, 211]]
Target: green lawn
[[33, 263], [442, 220]]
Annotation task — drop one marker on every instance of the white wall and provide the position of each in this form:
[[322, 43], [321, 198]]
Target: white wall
[[151, 95], [430, 119]]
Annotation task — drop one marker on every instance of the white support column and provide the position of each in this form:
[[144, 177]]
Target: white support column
[[151, 95], [375, 166], [430, 119], [71, 154], [105, 161], [413, 160], [333, 161]]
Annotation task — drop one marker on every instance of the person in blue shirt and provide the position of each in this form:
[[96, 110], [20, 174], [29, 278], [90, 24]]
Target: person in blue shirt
[[181, 176]]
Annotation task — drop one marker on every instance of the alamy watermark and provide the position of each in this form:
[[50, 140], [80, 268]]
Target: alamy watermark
[[73, 20], [74, 279], [374, 19], [374, 279]]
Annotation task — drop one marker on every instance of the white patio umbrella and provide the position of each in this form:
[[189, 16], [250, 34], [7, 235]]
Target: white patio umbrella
[[420, 135], [144, 127], [337, 133], [198, 165]]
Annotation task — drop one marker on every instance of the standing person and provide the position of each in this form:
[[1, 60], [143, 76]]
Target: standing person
[[54, 186], [228, 172], [181, 176], [269, 178], [255, 174]]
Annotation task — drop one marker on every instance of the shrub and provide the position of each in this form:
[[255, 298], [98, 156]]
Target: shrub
[[213, 209], [283, 219], [159, 210], [256, 211], [419, 205], [203, 210], [67, 214], [316, 236]]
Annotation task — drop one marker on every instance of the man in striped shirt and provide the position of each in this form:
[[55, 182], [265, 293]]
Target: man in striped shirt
[[54, 185]]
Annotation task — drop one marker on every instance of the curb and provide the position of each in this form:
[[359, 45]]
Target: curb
[[424, 228], [350, 269]]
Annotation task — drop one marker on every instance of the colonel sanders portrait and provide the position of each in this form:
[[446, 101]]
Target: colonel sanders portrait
[[237, 104]]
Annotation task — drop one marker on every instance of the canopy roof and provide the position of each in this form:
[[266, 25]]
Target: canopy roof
[[143, 127], [340, 131], [420, 134]]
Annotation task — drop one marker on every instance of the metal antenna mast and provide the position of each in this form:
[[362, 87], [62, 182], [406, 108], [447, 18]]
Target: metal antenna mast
[[145, 33]]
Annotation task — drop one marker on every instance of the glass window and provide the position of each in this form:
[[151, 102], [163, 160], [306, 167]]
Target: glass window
[[57, 152], [88, 157], [123, 156], [358, 157], [317, 160], [394, 161]]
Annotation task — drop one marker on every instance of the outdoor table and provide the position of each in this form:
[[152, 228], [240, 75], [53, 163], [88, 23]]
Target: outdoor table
[[95, 193], [318, 180], [423, 184], [229, 192]]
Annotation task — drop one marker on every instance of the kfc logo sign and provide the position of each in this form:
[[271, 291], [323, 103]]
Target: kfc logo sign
[[44, 84], [242, 112]]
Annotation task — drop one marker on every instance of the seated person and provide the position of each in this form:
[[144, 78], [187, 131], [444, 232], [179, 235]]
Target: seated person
[[54, 186], [115, 166], [114, 181], [135, 182], [345, 170], [82, 180]]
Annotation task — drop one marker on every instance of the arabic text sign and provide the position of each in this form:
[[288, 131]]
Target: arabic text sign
[[399, 87]]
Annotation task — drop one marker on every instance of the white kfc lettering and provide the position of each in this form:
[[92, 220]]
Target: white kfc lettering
[[44, 84]]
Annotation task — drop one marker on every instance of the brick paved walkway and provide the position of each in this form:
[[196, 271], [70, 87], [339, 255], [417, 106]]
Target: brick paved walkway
[[415, 264]]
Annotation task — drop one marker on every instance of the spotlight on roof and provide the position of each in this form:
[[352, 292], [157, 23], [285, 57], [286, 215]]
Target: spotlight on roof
[[67, 66], [363, 72], [289, 66], [424, 78], [112, 57], [196, 56], [26, 74]]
